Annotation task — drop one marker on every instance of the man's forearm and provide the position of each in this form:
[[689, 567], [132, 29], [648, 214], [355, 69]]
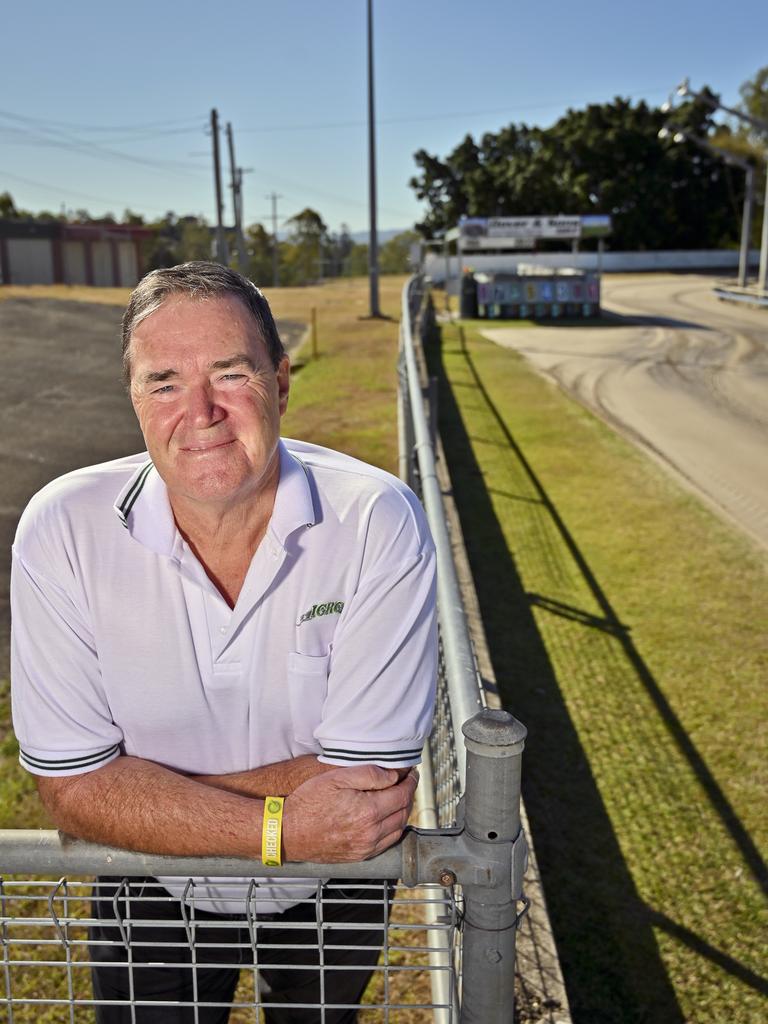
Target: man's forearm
[[337, 815], [278, 779], [139, 805]]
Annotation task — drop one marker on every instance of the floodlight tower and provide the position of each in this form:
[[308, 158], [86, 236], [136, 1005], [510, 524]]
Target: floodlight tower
[[681, 135], [714, 103]]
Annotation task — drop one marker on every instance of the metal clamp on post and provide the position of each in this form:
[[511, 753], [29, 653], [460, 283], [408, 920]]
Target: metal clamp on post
[[519, 867]]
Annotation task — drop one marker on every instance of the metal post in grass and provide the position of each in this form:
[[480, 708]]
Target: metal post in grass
[[494, 741]]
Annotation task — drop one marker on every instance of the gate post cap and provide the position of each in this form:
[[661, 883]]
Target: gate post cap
[[493, 727]]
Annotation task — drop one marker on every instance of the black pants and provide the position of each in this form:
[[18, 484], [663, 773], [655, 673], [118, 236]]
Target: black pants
[[161, 955]]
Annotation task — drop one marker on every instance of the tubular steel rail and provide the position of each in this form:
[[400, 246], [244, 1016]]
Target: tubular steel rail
[[467, 879], [448, 931]]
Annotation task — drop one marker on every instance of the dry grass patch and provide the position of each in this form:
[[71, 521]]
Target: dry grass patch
[[73, 292]]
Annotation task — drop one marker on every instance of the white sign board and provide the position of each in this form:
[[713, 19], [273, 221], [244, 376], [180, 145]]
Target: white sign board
[[518, 232]]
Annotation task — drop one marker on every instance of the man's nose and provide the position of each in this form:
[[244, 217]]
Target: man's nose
[[202, 409]]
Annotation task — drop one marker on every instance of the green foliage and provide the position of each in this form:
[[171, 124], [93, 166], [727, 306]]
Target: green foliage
[[177, 240], [754, 101], [310, 254], [9, 211], [7, 205], [258, 244], [357, 262], [394, 254], [607, 159], [308, 238]]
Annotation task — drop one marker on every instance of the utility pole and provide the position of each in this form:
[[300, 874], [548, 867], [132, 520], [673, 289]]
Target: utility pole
[[242, 252], [275, 262], [221, 245], [373, 241], [236, 176]]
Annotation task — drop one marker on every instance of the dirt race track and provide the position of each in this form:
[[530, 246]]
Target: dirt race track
[[62, 405], [682, 374]]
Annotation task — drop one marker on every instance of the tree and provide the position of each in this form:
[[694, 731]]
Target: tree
[[754, 101], [195, 239], [308, 241], [338, 249], [394, 255], [606, 158], [7, 206], [357, 261], [258, 244]]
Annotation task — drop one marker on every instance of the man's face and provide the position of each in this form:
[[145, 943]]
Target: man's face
[[208, 399]]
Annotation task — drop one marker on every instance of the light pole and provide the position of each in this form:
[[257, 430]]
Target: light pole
[[713, 102], [373, 241], [681, 135]]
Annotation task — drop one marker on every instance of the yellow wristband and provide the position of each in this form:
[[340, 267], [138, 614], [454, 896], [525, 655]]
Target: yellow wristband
[[272, 831]]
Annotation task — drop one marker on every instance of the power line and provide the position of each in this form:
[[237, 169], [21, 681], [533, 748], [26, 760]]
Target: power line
[[144, 126], [58, 139], [74, 193], [452, 115]]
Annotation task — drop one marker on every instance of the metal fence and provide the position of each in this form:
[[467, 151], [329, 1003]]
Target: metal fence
[[446, 932]]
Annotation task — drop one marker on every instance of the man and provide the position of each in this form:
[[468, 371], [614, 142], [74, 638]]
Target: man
[[226, 618]]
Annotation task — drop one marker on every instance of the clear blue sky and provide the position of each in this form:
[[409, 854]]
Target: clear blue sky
[[105, 105]]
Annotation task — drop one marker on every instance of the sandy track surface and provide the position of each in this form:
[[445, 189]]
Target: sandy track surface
[[682, 374]]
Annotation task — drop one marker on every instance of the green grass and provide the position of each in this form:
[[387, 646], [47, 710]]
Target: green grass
[[628, 629]]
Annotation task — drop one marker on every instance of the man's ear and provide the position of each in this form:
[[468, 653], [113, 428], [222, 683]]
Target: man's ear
[[283, 382]]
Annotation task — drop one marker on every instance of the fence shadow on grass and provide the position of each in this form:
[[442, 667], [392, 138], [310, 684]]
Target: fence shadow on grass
[[605, 932]]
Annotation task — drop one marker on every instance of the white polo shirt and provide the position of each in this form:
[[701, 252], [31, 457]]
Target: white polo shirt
[[122, 645]]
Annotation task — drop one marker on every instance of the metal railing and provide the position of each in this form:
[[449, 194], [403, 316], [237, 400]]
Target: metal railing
[[447, 933]]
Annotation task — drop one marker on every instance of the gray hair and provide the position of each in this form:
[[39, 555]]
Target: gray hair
[[200, 280]]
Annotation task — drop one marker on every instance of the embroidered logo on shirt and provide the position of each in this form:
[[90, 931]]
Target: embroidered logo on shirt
[[328, 608]]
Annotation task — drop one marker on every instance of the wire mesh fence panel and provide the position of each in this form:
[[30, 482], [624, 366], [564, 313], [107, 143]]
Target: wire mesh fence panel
[[72, 945], [442, 751]]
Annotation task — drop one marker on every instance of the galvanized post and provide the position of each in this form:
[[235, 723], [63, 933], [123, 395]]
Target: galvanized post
[[432, 405], [404, 423], [494, 742]]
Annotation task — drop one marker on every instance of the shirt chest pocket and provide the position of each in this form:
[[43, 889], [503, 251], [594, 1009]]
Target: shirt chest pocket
[[307, 690]]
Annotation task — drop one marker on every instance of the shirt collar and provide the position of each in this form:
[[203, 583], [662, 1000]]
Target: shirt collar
[[145, 511], [294, 504]]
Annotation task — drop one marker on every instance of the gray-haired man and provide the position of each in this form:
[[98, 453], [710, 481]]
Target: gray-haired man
[[228, 617]]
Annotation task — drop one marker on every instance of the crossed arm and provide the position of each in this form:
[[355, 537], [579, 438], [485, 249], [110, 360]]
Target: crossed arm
[[331, 814]]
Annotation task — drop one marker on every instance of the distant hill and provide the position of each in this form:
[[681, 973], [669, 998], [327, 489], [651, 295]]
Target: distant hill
[[383, 235], [361, 237]]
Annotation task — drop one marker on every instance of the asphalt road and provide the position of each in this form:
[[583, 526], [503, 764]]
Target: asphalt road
[[62, 405], [682, 374]]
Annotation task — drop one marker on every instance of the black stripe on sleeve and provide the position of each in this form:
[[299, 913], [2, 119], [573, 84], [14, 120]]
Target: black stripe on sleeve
[[67, 764], [342, 754]]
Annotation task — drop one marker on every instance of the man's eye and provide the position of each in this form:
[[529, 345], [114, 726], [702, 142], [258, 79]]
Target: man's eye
[[232, 378], [164, 389]]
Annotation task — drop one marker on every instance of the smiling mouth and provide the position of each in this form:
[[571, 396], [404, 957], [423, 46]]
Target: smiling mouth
[[203, 448]]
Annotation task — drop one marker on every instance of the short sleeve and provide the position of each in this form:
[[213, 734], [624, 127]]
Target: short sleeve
[[381, 683], [60, 713]]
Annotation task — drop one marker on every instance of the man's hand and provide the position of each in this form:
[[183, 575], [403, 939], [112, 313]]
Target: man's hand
[[347, 814]]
